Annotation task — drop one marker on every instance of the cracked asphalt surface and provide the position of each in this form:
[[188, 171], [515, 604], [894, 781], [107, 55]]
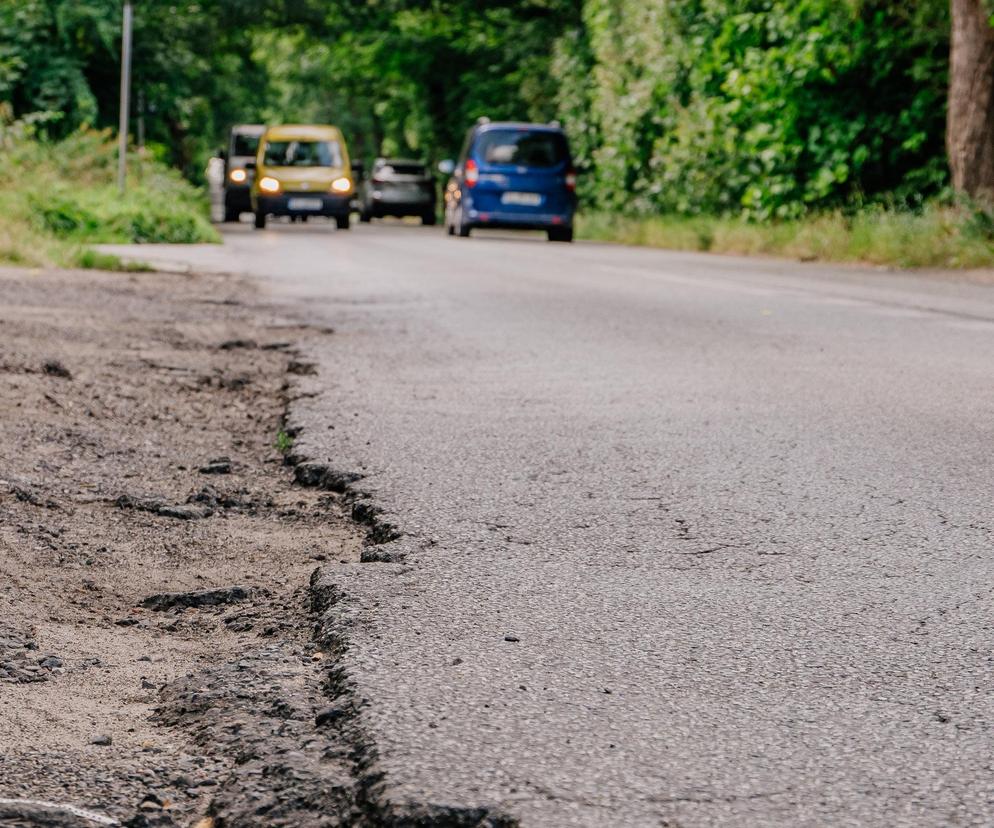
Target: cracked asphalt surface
[[690, 540]]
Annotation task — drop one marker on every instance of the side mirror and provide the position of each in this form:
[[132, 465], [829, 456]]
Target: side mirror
[[447, 167], [250, 165], [358, 169]]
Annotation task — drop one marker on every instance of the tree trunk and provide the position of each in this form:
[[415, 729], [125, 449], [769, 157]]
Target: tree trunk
[[970, 124]]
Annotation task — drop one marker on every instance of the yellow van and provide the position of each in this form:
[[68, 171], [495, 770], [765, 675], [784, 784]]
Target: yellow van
[[302, 171]]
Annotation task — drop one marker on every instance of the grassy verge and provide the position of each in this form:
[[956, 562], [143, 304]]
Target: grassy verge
[[940, 236], [60, 198]]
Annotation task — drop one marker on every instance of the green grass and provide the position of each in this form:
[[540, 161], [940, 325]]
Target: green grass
[[284, 442], [938, 237], [60, 198], [95, 260]]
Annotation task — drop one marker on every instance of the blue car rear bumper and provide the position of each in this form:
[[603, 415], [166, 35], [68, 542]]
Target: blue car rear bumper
[[518, 219]]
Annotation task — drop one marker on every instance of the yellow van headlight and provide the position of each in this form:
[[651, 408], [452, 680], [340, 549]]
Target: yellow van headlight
[[238, 176], [341, 185], [269, 184]]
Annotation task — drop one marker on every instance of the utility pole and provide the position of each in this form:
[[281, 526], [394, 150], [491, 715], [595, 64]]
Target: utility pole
[[122, 127], [141, 117]]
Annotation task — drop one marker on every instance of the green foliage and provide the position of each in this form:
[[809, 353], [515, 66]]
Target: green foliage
[[44, 51], [284, 442], [397, 75], [766, 109], [979, 224], [193, 75], [60, 196], [68, 188], [100, 215], [762, 107], [407, 77], [937, 236], [95, 260]]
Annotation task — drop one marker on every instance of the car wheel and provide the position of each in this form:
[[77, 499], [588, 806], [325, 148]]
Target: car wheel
[[342, 222], [231, 215], [560, 234], [365, 217], [260, 221], [462, 229], [429, 219]]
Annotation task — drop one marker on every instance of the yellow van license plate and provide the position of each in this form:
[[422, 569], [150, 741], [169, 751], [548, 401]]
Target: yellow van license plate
[[305, 204]]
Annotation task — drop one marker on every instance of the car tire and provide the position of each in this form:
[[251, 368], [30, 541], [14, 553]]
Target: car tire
[[260, 220], [231, 215], [342, 222], [365, 217], [429, 219], [462, 229], [560, 234]]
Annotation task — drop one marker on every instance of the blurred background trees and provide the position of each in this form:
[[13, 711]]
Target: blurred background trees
[[767, 108], [764, 106]]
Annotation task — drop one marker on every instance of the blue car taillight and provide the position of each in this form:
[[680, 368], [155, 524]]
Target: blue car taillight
[[472, 173]]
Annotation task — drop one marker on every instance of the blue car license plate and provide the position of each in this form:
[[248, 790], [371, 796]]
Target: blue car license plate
[[521, 199]]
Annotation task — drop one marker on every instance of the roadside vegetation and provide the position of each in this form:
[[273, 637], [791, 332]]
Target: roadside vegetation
[[284, 442], [937, 236], [60, 197], [814, 128]]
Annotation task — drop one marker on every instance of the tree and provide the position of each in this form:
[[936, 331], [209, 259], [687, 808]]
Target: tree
[[970, 123]]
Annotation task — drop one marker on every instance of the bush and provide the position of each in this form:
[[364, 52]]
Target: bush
[[61, 196], [765, 108], [103, 216], [945, 236]]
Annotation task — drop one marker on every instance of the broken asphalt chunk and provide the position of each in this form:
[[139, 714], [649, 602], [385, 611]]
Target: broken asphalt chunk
[[219, 465], [320, 476], [301, 368], [329, 715], [54, 368], [198, 598], [232, 344], [157, 507]]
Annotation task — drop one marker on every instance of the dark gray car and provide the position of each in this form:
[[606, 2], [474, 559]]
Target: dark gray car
[[242, 146], [398, 187]]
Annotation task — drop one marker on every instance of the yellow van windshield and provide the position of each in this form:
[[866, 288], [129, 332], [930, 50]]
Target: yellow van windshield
[[303, 154]]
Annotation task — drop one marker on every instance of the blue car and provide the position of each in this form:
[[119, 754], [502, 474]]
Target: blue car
[[512, 175]]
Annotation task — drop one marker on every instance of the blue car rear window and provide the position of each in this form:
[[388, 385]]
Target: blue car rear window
[[522, 148]]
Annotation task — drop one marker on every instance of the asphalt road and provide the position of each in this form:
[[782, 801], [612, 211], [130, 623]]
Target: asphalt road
[[738, 515]]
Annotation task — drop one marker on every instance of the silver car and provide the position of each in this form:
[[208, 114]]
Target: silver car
[[398, 187]]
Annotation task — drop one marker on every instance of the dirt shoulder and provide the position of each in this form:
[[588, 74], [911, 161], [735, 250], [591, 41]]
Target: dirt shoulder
[[140, 416]]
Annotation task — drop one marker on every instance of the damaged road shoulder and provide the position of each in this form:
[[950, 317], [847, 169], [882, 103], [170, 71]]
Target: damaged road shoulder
[[336, 615], [139, 603], [169, 654]]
